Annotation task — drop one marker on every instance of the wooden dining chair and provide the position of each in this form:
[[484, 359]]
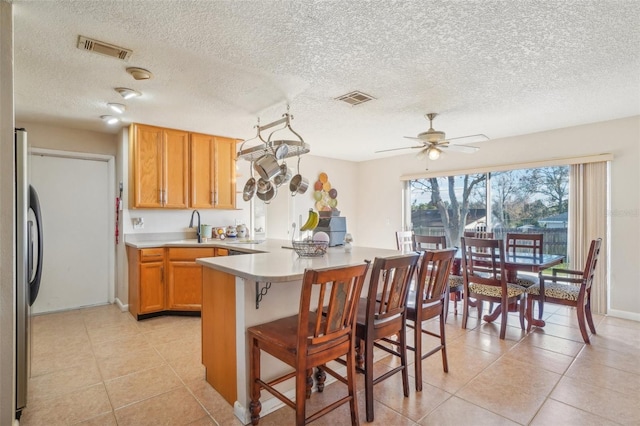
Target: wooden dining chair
[[530, 244], [306, 340], [485, 279], [571, 288], [405, 241], [427, 301], [381, 316], [432, 242]]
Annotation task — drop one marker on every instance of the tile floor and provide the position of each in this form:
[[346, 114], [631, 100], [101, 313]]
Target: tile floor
[[98, 366]]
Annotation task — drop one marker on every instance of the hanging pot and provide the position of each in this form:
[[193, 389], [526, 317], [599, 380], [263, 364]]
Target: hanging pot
[[264, 186], [268, 196], [267, 166], [298, 185], [249, 188], [284, 176]]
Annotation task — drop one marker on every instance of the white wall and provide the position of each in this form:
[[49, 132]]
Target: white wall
[[379, 190]]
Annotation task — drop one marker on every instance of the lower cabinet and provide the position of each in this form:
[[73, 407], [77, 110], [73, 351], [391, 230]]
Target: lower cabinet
[[165, 279]]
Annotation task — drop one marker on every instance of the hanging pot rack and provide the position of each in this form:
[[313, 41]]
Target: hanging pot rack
[[285, 147]]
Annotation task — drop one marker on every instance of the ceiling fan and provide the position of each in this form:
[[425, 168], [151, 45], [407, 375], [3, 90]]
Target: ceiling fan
[[433, 142]]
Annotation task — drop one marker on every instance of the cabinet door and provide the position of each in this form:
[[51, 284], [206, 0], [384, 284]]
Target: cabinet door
[[202, 171], [146, 152], [151, 283], [176, 169], [225, 173], [184, 290]]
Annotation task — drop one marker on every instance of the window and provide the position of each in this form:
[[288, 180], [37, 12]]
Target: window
[[523, 200]]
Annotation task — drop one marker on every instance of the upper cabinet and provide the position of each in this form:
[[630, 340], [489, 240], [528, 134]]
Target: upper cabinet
[[159, 161], [213, 178], [177, 169]]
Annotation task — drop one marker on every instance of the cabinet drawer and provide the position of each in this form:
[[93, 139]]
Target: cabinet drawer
[[190, 253], [151, 254], [222, 252]]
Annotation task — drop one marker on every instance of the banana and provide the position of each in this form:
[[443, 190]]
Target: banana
[[312, 221]]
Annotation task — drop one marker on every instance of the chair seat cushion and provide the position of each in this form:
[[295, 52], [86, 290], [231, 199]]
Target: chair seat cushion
[[513, 290], [526, 280], [455, 283], [556, 290]]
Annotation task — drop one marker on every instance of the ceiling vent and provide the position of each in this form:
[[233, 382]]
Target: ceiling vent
[[355, 98], [103, 48]]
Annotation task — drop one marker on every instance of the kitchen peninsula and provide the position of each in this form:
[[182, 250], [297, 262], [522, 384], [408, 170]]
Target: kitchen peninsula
[[241, 291]]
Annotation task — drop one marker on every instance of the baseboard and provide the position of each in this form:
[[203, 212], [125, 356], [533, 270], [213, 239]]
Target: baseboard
[[633, 316], [123, 307]]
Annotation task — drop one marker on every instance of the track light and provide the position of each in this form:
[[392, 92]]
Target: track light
[[110, 119], [127, 93], [118, 108], [433, 153]]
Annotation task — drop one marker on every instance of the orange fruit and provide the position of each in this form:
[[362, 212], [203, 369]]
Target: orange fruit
[[323, 177]]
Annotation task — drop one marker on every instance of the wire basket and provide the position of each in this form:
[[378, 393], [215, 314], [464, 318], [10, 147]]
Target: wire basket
[[310, 248]]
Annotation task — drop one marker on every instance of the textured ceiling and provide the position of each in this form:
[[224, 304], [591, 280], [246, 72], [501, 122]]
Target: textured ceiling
[[499, 68]]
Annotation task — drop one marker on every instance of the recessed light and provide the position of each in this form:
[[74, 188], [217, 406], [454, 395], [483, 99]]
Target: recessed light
[[139, 73], [110, 119], [119, 108], [127, 93]]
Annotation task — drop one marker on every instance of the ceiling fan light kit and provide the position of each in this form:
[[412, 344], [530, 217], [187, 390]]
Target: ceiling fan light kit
[[434, 142]]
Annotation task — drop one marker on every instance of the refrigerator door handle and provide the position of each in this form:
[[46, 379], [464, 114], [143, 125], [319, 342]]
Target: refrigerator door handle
[[34, 284]]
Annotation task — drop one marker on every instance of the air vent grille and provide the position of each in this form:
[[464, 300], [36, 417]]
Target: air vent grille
[[103, 48], [355, 98]]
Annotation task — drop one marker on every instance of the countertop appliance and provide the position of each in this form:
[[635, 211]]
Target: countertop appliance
[[335, 227], [29, 246]]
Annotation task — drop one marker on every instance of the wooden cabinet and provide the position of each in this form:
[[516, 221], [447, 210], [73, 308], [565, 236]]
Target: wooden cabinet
[[159, 164], [165, 279], [184, 289], [146, 280], [212, 172]]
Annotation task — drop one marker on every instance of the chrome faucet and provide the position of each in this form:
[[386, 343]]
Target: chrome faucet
[[198, 229]]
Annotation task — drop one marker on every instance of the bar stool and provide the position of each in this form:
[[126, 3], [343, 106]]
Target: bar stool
[[306, 340]]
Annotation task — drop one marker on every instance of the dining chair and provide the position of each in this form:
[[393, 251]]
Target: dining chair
[[432, 242], [309, 339], [428, 301], [381, 316], [572, 288], [531, 244], [485, 279], [478, 234], [405, 241]]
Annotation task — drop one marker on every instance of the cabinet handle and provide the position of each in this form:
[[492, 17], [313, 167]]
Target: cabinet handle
[[213, 197]]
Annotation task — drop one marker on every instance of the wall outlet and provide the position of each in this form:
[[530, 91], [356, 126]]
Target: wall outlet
[[138, 222]]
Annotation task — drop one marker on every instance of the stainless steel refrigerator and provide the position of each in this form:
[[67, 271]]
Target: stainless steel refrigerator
[[29, 245]]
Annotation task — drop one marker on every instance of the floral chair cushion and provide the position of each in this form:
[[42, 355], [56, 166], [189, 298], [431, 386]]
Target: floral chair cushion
[[526, 280], [556, 290], [455, 283], [495, 291]]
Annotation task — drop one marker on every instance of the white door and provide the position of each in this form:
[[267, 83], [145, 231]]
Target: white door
[[74, 199]]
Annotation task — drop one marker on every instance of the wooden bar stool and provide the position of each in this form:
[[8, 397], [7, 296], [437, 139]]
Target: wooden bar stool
[[309, 339]]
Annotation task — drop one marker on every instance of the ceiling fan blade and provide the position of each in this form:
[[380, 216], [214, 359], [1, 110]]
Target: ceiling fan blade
[[415, 139], [459, 148], [468, 139], [397, 149]]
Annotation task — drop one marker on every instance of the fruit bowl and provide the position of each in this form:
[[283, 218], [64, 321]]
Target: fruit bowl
[[310, 248]]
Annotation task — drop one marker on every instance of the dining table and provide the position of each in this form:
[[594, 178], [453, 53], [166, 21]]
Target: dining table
[[514, 263]]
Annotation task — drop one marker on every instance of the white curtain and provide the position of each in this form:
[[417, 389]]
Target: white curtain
[[588, 221]]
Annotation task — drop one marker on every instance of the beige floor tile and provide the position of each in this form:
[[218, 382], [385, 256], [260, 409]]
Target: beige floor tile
[[64, 381], [108, 419], [128, 362], [206, 421], [177, 407], [605, 377], [74, 407], [509, 388], [111, 348], [538, 338], [113, 332], [172, 333], [612, 405], [189, 366], [108, 315], [563, 331], [211, 400], [456, 412], [619, 322], [486, 342], [43, 363], [540, 358], [557, 413], [180, 348], [625, 361], [141, 385]]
